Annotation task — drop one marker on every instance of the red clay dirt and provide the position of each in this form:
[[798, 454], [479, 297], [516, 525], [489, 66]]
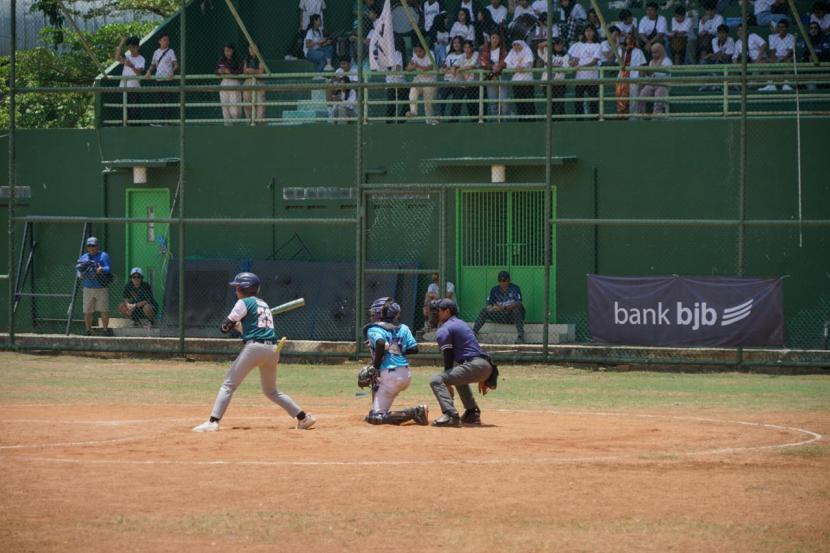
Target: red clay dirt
[[135, 478]]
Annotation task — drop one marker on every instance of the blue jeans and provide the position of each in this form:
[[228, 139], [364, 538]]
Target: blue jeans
[[319, 56]]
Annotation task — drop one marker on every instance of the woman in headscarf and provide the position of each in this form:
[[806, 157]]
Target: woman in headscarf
[[520, 62]]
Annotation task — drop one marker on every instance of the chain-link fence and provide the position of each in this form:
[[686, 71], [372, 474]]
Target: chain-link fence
[[658, 157]]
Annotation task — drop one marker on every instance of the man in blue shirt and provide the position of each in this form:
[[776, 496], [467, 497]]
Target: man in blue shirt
[[464, 363], [93, 268], [504, 305]]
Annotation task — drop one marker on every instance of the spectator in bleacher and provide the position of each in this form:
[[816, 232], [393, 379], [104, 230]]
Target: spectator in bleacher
[[463, 27], [497, 12], [626, 92], [520, 61], [133, 66], [820, 16], [821, 44], [722, 48], [164, 66], [431, 10], [585, 53], [451, 75], [755, 53], [491, 60], [343, 102], [227, 67], [707, 29], [485, 26], [559, 58], [434, 293], [394, 110], [606, 51], [770, 12], [572, 18], [440, 38], [469, 7], [504, 305], [420, 62], [523, 7], [627, 23], [317, 47], [253, 100], [93, 268], [681, 32], [781, 43], [309, 8], [659, 59], [593, 21], [539, 7], [652, 29], [467, 66], [138, 302]]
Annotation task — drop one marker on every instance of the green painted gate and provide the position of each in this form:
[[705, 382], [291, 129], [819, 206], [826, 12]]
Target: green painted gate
[[148, 244], [498, 231]]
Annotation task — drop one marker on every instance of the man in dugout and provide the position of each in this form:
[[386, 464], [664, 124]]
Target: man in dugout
[[504, 305]]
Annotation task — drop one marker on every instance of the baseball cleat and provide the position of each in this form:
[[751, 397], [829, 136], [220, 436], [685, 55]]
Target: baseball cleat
[[422, 415], [207, 426], [307, 422], [448, 420], [471, 416]]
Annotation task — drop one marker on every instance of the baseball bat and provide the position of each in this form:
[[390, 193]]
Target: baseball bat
[[288, 306]]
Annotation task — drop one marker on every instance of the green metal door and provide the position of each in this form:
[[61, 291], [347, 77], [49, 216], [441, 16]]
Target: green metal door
[[499, 231], [148, 243]]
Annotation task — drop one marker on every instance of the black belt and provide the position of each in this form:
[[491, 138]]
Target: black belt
[[468, 359], [267, 342]]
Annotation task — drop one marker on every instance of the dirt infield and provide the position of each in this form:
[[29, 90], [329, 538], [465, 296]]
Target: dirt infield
[[130, 476]]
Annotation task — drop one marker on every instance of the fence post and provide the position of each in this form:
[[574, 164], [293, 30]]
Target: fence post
[[481, 99], [547, 194], [181, 186], [601, 92], [12, 191], [725, 92], [359, 176]]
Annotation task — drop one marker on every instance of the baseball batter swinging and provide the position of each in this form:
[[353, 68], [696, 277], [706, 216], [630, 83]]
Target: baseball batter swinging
[[390, 342], [258, 334]]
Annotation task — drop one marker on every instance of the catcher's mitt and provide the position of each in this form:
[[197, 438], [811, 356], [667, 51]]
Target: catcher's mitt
[[367, 376]]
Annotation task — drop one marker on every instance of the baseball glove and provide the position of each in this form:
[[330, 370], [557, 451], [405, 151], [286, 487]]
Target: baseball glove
[[367, 376]]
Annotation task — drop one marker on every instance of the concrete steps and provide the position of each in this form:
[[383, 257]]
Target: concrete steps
[[493, 333]]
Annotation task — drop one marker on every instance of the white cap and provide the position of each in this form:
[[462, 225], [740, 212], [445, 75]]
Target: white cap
[[136, 270], [91, 241]]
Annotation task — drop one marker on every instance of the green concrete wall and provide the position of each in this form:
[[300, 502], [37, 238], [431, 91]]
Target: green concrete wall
[[641, 169]]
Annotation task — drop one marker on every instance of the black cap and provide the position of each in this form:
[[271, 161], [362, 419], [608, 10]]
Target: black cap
[[504, 275]]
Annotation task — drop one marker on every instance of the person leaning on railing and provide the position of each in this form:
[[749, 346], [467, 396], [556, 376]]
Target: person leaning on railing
[[451, 75], [632, 58], [227, 67], [659, 59], [491, 60], [254, 113], [164, 65], [467, 67], [133, 66], [520, 62], [559, 58], [420, 62], [585, 53]]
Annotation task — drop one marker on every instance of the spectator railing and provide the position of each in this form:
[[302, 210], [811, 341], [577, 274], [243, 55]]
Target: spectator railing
[[696, 91]]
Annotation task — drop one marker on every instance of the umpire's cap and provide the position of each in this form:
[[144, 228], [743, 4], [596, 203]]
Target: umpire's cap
[[446, 304], [246, 281]]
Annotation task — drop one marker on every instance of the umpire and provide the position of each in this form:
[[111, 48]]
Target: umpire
[[464, 363]]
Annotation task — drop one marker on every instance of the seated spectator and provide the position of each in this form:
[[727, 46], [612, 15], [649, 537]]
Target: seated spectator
[[585, 53], [681, 31], [467, 66], [593, 21], [497, 11], [781, 44], [420, 62], [491, 60], [308, 8], [253, 101], [539, 7], [626, 92], [627, 23], [606, 51], [821, 44], [722, 49], [520, 61], [820, 16], [652, 29], [343, 103], [755, 53], [317, 48], [504, 305], [434, 293], [707, 28], [770, 12], [559, 58], [451, 75], [133, 66], [659, 59], [523, 7], [228, 66], [572, 18], [485, 26], [138, 302], [463, 27]]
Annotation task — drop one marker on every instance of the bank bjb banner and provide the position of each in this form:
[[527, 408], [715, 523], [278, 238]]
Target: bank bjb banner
[[683, 311]]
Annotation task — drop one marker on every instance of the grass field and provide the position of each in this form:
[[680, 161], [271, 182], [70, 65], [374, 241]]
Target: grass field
[[97, 455]]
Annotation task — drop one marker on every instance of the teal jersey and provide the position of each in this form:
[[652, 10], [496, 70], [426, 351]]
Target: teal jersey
[[255, 316], [399, 340]]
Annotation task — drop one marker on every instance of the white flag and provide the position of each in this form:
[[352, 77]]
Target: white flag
[[382, 43]]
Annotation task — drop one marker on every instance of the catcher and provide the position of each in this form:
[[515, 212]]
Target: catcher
[[388, 374]]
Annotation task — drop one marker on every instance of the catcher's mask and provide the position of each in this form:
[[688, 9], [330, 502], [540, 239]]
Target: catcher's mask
[[384, 309]]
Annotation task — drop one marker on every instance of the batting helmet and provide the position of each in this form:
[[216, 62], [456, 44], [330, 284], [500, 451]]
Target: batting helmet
[[384, 309], [246, 282]]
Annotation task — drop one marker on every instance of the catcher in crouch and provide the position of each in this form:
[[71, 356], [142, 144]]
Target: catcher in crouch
[[388, 374]]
